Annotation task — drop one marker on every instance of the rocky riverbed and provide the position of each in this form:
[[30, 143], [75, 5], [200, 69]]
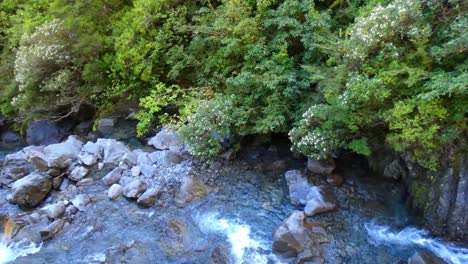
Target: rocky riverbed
[[104, 202]]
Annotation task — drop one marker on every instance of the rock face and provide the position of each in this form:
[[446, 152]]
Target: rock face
[[42, 133], [298, 186], [440, 197], [31, 190], [297, 238], [321, 166], [167, 138]]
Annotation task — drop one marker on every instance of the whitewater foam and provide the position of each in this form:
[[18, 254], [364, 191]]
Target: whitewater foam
[[244, 248], [410, 236], [13, 250]]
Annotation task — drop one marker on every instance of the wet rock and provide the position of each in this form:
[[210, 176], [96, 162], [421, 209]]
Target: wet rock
[[81, 201], [321, 166], [165, 157], [295, 236], [113, 150], [148, 198], [62, 154], [31, 190], [394, 170], [166, 139], [298, 187], [335, 179], [425, 258], [113, 176], [90, 153], [52, 229], [31, 232], [191, 189], [55, 210], [147, 170], [319, 201], [221, 255], [84, 182], [114, 191], [78, 173], [135, 171], [43, 133], [134, 188], [178, 238]]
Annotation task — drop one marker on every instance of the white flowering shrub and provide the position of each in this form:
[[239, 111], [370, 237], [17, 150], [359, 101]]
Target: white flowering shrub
[[206, 130], [385, 24]]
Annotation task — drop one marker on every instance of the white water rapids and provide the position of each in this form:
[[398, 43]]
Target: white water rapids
[[13, 250], [244, 247], [414, 237]]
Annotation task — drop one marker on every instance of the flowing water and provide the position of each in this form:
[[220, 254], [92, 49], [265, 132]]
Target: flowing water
[[234, 222]]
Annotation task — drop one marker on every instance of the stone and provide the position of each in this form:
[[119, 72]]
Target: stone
[[165, 157], [43, 133], [100, 166], [148, 198], [78, 173], [135, 171], [298, 186], [113, 150], [90, 153], [113, 176], [166, 139], [319, 201], [115, 191], [125, 180], [61, 155], [134, 188], [105, 125], [321, 166], [142, 157], [57, 182], [335, 179], [394, 170], [147, 170], [129, 158], [9, 138], [81, 201], [84, 182], [192, 188], [52, 229], [14, 167], [295, 236], [36, 156], [55, 210], [421, 257], [221, 255], [31, 190]]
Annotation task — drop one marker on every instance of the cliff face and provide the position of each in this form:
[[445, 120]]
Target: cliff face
[[439, 198]]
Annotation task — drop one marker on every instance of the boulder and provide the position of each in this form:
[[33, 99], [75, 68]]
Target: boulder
[[298, 187], [37, 157], [147, 170], [90, 153], [62, 154], [134, 188], [135, 171], [321, 166], [81, 201], [52, 229], [105, 125], [148, 198], [15, 167], [43, 133], [55, 210], [114, 191], [113, 176], [191, 189], [31, 190], [78, 173], [113, 150], [129, 158], [165, 157], [295, 236], [319, 200], [166, 139], [421, 257]]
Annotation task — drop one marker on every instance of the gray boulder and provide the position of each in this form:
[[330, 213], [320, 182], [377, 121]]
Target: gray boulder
[[134, 188], [167, 138], [319, 201], [15, 167], [113, 176], [62, 154], [165, 157], [31, 190], [81, 201], [90, 153], [78, 173], [113, 150], [55, 210], [114, 191], [148, 198], [321, 166], [191, 189], [298, 186]]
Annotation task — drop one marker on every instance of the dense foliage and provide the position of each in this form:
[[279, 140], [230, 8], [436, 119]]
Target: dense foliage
[[333, 74]]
